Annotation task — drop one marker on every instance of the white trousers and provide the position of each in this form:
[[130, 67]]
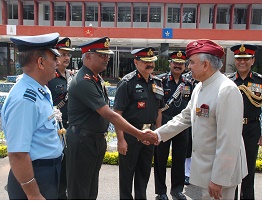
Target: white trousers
[[187, 167]]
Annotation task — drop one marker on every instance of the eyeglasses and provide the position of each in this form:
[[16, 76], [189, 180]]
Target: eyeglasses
[[66, 55]]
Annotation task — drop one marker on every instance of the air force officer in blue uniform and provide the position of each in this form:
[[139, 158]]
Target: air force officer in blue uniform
[[29, 123]]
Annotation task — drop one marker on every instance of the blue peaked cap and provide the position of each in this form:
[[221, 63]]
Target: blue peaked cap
[[45, 41]]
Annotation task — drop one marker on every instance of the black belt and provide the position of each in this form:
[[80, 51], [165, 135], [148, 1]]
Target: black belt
[[47, 162], [250, 120], [144, 126], [85, 132]]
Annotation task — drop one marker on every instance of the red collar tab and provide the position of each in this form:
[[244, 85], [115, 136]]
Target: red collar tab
[[139, 75], [57, 74], [95, 78]]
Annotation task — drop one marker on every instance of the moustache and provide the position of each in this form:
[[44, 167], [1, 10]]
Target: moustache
[[149, 67], [178, 68]]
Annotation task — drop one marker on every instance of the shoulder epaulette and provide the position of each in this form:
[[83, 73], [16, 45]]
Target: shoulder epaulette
[[129, 76], [30, 95], [162, 76], [230, 75], [257, 74], [187, 77]]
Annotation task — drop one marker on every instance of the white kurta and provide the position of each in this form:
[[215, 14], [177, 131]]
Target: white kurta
[[218, 152]]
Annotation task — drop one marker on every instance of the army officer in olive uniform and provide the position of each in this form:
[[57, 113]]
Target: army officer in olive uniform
[[138, 99], [177, 94], [89, 115], [59, 88], [250, 84]]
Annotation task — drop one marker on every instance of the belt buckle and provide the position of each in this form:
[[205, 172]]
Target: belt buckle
[[146, 126], [244, 120]]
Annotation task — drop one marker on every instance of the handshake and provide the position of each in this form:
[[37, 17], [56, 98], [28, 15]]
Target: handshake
[[148, 137]]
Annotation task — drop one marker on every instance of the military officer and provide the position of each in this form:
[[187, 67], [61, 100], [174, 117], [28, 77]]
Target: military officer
[[250, 85], [215, 113], [59, 88], [177, 94], [89, 115], [192, 82], [29, 123], [138, 99]]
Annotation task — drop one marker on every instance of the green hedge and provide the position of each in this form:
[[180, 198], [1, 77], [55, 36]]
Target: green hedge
[[3, 151]]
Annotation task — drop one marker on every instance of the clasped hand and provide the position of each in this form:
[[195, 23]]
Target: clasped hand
[[149, 137]]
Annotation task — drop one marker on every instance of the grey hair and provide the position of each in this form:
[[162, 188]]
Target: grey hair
[[30, 56], [215, 62], [83, 56]]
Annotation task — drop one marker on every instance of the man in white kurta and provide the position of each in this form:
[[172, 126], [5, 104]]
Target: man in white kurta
[[215, 113]]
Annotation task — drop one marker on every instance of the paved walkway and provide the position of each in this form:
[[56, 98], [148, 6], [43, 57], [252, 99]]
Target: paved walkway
[[108, 185]]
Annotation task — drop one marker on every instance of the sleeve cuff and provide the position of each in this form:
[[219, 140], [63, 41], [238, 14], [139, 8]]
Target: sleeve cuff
[[159, 136]]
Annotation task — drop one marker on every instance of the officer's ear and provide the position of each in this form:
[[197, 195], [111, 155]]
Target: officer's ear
[[40, 62]]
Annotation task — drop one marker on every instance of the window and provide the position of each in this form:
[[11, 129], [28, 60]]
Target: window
[[47, 11], [223, 16], [140, 14], [59, 15], [12, 11], [257, 16], [155, 14], [189, 15], [28, 12], [240, 16], [124, 14], [108, 14], [76, 13], [92, 13], [173, 15]]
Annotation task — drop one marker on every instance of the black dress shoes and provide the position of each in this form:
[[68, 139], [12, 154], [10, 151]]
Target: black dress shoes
[[178, 195], [162, 197], [187, 180]]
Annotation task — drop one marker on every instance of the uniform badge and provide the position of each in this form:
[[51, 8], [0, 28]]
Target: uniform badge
[[255, 88], [203, 111], [139, 88], [141, 104]]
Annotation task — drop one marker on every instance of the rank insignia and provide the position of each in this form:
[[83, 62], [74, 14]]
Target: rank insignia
[[87, 77], [141, 104]]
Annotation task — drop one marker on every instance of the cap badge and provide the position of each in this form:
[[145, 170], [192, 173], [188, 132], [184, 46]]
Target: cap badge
[[179, 54], [195, 43], [67, 44], [242, 48], [150, 53], [106, 44]]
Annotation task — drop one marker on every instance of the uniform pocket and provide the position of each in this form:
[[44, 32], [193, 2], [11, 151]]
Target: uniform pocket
[[140, 95]]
